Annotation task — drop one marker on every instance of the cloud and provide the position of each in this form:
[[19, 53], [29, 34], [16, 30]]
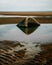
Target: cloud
[[25, 5]]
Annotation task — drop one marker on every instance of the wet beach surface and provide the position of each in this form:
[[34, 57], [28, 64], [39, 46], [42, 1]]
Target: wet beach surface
[[16, 52], [17, 47], [42, 34]]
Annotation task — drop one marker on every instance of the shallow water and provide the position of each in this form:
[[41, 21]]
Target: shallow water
[[26, 52], [42, 34]]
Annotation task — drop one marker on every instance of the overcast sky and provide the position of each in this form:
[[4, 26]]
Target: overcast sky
[[25, 5], [12, 32]]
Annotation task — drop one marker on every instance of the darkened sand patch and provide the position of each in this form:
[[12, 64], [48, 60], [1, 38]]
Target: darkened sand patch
[[22, 53]]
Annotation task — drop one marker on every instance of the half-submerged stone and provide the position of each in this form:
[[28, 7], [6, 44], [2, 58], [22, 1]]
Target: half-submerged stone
[[28, 25]]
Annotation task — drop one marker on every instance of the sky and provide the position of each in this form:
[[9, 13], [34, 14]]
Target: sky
[[25, 5], [43, 33]]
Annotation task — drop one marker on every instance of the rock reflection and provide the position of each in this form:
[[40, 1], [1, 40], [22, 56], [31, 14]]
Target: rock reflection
[[28, 25], [28, 30]]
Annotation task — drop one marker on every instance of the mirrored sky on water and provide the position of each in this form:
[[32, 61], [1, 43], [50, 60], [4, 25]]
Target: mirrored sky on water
[[25, 5], [43, 33]]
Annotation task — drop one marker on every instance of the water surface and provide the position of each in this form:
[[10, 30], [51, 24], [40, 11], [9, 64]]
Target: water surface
[[42, 34]]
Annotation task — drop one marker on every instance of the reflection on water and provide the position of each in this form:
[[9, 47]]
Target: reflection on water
[[12, 32], [28, 30], [28, 25]]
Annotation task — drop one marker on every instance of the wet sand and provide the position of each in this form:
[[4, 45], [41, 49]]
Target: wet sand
[[14, 52], [11, 20]]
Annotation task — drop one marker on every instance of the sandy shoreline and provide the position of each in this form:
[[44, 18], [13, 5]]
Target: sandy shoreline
[[7, 52]]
